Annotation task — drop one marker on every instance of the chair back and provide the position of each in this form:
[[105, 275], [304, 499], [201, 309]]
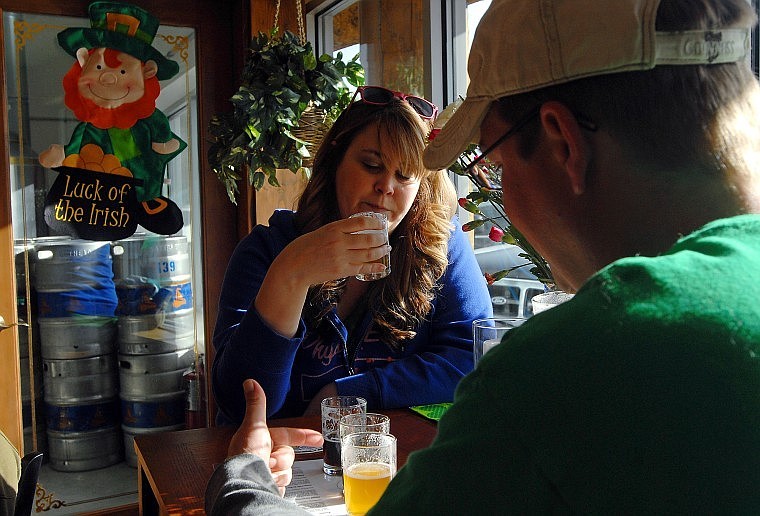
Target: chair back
[[27, 485], [10, 472]]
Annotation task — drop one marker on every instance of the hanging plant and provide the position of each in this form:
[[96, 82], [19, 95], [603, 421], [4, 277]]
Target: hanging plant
[[281, 80]]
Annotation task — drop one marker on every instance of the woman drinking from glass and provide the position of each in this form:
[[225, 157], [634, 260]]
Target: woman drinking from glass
[[294, 316]]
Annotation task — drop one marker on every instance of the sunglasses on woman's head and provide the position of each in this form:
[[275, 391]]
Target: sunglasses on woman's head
[[379, 96]]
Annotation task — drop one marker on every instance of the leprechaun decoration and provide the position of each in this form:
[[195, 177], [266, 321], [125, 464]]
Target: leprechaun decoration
[[111, 172]]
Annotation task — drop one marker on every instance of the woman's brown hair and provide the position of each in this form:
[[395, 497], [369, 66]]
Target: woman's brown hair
[[402, 300]]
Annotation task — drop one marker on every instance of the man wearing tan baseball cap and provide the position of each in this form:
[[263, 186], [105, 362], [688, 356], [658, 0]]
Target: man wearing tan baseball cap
[[628, 132]]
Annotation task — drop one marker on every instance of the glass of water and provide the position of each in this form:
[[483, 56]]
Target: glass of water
[[386, 259]]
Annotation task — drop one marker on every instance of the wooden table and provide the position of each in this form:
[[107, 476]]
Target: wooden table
[[174, 467]]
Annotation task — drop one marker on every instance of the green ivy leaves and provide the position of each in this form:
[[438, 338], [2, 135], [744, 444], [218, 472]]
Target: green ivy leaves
[[281, 78]]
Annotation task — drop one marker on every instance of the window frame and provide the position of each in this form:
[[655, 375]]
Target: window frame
[[755, 53]]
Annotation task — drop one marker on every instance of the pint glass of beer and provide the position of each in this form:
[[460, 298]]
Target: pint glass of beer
[[333, 408], [369, 464]]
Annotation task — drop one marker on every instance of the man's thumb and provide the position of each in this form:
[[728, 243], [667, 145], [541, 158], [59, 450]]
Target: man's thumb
[[255, 402]]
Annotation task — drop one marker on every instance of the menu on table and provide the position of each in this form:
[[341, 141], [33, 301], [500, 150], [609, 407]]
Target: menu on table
[[314, 491]]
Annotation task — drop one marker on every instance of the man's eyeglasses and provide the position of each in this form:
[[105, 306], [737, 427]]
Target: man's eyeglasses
[[584, 122], [379, 96]]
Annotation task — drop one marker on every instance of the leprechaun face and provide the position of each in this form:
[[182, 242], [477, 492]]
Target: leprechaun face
[[111, 78]]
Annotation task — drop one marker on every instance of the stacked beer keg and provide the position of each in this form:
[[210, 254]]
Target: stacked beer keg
[[155, 333], [76, 306]]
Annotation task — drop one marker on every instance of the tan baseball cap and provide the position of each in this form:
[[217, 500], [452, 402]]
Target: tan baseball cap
[[524, 45]]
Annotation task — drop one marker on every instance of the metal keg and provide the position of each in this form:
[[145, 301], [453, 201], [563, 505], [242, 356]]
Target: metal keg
[[150, 379], [72, 264], [76, 298], [74, 279], [152, 275], [82, 437], [167, 259], [135, 386], [162, 332], [126, 257], [155, 312], [129, 433], [77, 337], [141, 365], [80, 381], [164, 259], [84, 451]]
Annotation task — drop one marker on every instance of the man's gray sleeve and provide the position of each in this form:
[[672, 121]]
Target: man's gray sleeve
[[243, 485]]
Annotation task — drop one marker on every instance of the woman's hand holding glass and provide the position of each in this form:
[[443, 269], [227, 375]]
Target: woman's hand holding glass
[[339, 250], [330, 252]]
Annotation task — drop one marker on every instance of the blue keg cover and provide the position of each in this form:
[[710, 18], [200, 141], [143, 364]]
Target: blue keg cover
[[81, 418], [86, 301], [154, 413]]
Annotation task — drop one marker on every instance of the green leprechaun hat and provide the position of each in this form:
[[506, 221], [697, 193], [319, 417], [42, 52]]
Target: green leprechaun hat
[[121, 26]]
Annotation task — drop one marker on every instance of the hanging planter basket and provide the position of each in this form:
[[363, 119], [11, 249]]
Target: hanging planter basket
[[311, 129], [285, 104]]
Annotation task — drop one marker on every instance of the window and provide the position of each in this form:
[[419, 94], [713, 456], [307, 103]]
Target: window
[[386, 34]]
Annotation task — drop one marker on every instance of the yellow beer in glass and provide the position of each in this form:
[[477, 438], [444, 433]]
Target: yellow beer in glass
[[369, 464], [364, 484]]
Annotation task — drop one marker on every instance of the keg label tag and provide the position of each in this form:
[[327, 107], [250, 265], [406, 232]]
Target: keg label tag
[[181, 296]]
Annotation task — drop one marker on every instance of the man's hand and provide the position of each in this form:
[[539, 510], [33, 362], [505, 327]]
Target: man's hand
[[275, 445]]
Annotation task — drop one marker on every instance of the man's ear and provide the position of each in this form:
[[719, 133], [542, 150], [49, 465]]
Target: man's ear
[[150, 69], [82, 55], [567, 143]]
